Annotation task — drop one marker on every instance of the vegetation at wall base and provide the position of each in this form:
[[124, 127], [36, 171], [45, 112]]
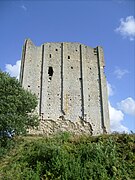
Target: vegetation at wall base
[[70, 157]]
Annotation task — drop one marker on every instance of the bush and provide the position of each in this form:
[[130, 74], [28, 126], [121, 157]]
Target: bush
[[16, 107], [70, 157]]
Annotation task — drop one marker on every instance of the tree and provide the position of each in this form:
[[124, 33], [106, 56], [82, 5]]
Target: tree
[[17, 106]]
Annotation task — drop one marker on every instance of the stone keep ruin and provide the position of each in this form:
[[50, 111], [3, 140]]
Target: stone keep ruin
[[69, 81]]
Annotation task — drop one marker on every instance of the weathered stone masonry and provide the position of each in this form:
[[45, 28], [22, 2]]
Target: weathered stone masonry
[[69, 81]]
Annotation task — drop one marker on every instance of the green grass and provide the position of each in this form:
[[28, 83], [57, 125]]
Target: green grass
[[69, 157]]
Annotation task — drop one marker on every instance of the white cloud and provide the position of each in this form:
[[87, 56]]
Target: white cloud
[[110, 89], [116, 118], [24, 8], [116, 115], [120, 72], [127, 106], [127, 28], [13, 70]]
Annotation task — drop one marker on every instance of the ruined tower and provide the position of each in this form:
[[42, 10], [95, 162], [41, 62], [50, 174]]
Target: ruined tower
[[69, 81]]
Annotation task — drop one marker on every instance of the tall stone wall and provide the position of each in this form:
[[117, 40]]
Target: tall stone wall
[[69, 81]]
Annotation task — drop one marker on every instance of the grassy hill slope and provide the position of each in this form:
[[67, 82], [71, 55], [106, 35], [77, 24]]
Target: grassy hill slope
[[68, 157]]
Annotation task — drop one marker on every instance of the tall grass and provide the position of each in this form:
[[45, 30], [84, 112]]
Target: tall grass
[[68, 157]]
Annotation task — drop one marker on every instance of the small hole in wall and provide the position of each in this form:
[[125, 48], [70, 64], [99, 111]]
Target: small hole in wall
[[28, 85], [50, 56], [71, 67], [68, 57], [50, 72], [56, 49], [76, 49]]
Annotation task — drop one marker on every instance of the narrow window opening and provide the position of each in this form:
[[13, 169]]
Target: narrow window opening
[[68, 57], [50, 72], [50, 55]]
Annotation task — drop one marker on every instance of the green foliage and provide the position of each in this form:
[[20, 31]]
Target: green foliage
[[16, 106], [68, 157]]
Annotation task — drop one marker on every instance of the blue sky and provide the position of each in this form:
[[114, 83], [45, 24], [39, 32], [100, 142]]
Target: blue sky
[[110, 24]]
